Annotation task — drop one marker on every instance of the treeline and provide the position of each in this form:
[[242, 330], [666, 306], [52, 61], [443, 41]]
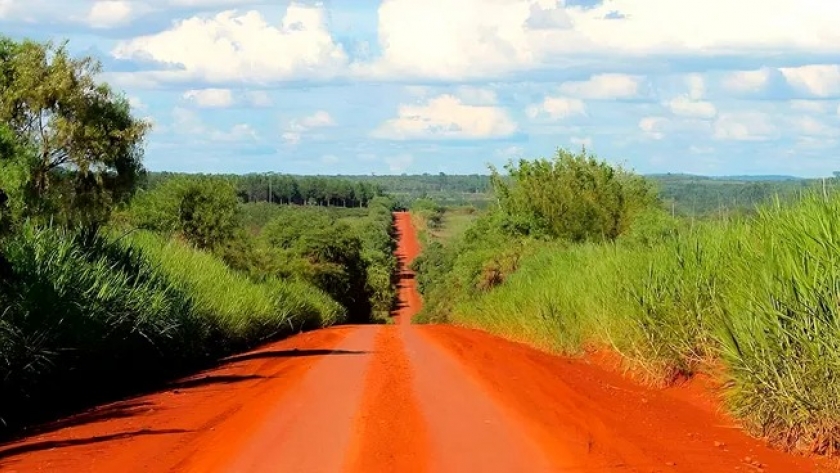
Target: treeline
[[107, 285], [579, 254], [288, 189]]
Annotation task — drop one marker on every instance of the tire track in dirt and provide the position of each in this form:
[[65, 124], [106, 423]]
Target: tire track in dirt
[[391, 433]]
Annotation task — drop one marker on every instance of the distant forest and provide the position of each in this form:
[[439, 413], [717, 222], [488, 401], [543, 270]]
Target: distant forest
[[685, 195]]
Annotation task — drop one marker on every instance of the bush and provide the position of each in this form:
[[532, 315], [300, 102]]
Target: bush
[[204, 210], [573, 197]]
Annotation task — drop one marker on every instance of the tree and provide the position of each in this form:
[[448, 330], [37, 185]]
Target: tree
[[16, 162], [86, 143], [202, 209], [574, 197]]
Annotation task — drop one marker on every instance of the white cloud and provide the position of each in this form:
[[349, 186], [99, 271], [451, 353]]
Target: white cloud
[[399, 163], [604, 86], [654, 127], [446, 116], [683, 106], [242, 47], [137, 104], [295, 129], [747, 81], [108, 13], [210, 98], [239, 132], [744, 126], [691, 104], [556, 108], [513, 35], [187, 122], [5, 7], [820, 79]]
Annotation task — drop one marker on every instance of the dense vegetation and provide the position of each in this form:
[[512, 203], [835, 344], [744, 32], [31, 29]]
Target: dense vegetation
[[286, 189], [578, 256], [110, 280]]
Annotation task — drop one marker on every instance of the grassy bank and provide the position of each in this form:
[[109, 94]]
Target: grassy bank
[[87, 317], [757, 296]]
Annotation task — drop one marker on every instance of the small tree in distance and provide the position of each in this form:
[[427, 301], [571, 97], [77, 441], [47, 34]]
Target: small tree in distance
[[575, 197]]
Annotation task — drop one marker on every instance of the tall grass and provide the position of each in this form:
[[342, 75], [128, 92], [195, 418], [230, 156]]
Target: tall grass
[[85, 316], [231, 303], [759, 296]]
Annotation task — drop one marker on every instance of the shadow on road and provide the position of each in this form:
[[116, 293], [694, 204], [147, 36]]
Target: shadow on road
[[289, 354], [213, 379], [6, 453]]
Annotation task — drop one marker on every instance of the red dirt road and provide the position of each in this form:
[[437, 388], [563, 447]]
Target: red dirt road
[[401, 398]]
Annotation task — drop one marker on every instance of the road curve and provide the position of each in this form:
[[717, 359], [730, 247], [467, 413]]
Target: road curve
[[401, 398]]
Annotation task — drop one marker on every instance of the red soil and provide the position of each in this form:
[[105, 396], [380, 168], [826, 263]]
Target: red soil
[[403, 398]]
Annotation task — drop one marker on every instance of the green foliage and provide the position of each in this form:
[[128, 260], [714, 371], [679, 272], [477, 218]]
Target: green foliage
[[16, 192], [573, 197], [757, 295], [85, 141], [243, 310], [204, 210], [351, 258], [78, 308], [286, 189]]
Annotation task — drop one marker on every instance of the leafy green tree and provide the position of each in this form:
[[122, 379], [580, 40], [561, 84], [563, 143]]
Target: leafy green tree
[[86, 143], [574, 197], [202, 209], [16, 195]]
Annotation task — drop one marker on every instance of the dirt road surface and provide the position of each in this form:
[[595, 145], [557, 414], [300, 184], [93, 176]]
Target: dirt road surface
[[401, 398]]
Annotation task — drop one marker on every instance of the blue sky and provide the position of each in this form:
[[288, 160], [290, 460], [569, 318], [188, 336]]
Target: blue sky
[[360, 86]]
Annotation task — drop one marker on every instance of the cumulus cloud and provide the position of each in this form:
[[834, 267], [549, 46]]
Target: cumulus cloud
[[691, 104], [137, 104], [210, 98], [187, 122], [604, 86], [295, 128], [684, 106], [556, 108], [747, 81], [821, 80], [5, 7], [744, 126], [446, 117], [520, 34], [242, 47], [109, 13], [653, 127]]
